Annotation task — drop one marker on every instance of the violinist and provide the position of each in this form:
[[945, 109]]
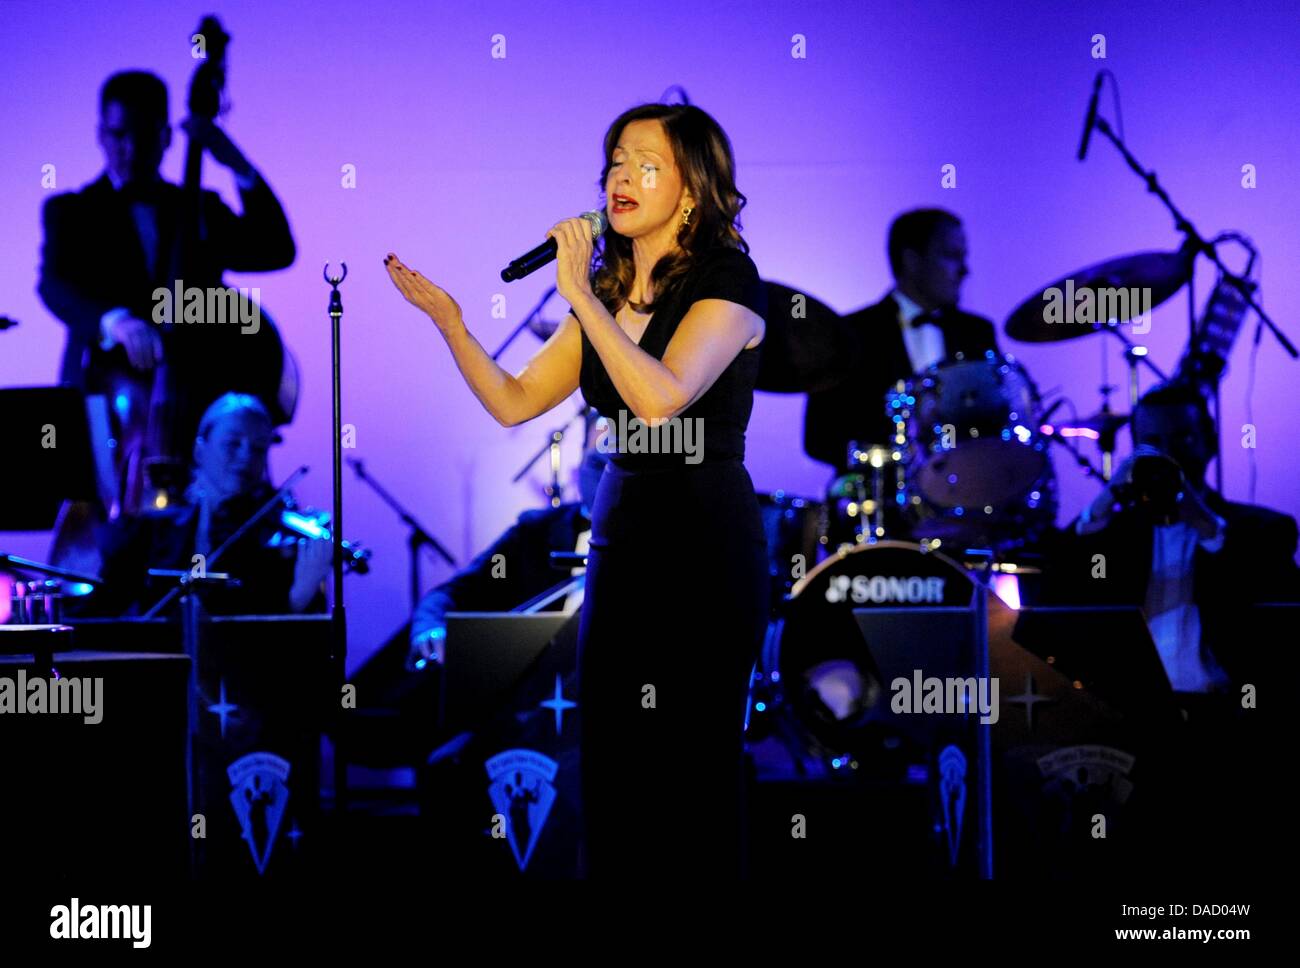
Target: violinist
[[230, 484]]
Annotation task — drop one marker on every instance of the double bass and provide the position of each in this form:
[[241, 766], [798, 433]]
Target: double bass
[[153, 414]]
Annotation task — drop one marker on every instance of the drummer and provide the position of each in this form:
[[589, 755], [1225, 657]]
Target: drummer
[[917, 324]]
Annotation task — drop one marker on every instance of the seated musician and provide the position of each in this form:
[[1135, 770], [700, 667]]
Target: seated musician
[[230, 484], [1194, 561], [401, 680], [917, 324], [526, 548]]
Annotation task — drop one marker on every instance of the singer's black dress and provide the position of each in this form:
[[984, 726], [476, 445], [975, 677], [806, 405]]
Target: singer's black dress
[[673, 618]]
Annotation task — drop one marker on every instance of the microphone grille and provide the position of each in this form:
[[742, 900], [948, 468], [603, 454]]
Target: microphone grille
[[598, 222]]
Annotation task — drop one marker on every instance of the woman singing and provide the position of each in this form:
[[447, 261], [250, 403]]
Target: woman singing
[[664, 341]]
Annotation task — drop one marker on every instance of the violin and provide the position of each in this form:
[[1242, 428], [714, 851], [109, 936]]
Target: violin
[[295, 523]]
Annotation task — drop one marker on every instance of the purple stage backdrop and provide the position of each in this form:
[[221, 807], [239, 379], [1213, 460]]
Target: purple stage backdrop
[[456, 134]]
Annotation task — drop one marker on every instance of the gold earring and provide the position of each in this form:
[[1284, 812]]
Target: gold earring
[[686, 216]]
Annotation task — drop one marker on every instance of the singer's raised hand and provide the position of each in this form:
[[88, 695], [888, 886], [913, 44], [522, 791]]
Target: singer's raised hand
[[573, 259], [424, 295]]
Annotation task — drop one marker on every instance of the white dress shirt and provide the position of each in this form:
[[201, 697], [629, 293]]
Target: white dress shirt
[[1171, 611], [924, 343], [1170, 608]]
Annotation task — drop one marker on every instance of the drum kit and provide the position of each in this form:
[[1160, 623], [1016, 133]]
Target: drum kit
[[968, 470]]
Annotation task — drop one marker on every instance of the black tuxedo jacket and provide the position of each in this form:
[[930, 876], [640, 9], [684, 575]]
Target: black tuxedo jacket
[[1256, 564], [855, 408], [92, 259]]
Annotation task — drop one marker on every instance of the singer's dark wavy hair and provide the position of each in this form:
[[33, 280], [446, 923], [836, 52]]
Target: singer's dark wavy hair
[[702, 151]]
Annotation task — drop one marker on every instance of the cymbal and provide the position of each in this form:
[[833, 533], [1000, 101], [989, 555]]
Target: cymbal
[[1163, 273], [807, 347]]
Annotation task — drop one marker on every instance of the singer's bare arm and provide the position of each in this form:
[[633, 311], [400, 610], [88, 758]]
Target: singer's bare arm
[[546, 381], [709, 337]]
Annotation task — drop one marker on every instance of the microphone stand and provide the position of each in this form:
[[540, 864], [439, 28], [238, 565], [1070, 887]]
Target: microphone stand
[[537, 310], [338, 614], [1194, 242], [555, 489], [418, 535]]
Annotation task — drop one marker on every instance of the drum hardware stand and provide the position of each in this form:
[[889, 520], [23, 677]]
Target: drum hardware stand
[[1105, 390], [1135, 355], [417, 536], [871, 510]]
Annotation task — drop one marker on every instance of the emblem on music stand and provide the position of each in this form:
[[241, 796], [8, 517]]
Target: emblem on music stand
[[952, 794], [259, 795], [522, 790]]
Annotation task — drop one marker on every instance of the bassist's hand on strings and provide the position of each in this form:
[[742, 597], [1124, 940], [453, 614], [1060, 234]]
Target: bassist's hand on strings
[[139, 339]]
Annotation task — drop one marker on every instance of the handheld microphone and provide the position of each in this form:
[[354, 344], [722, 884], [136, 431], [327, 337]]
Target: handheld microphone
[[1090, 121], [531, 261]]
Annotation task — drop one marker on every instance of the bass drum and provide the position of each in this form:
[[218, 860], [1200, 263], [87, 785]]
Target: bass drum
[[817, 678], [816, 668]]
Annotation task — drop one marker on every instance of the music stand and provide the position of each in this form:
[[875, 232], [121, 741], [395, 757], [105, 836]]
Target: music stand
[[1109, 651], [48, 439], [486, 653]]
